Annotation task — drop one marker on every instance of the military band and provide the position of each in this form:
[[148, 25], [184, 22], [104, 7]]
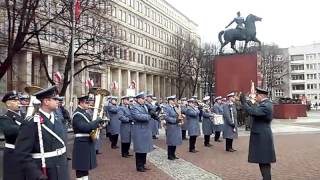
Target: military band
[[36, 146]]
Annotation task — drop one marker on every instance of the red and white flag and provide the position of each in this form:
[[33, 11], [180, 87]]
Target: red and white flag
[[77, 11], [114, 85], [252, 90], [89, 83], [57, 77], [132, 85]]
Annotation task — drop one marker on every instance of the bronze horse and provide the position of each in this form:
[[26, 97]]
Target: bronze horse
[[247, 34]]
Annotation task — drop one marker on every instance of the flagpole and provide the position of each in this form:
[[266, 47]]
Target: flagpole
[[72, 55]]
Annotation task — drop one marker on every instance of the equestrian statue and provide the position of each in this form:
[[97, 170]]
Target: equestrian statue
[[244, 31]]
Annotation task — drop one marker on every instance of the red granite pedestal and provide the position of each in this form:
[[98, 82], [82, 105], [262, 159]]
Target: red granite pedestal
[[289, 111]]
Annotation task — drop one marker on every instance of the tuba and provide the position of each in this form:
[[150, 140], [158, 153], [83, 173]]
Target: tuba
[[98, 111], [31, 90]]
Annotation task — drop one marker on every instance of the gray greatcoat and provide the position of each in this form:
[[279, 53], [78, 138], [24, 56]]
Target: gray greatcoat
[[154, 124], [173, 129], [126, 124], [185, 124], [261, 147], [114, 126], [218, 109], [141, 133], [230, 129], [192, 116], [207, 124]]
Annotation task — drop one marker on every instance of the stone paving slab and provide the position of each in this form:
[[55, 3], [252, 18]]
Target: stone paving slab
[[179, 169]]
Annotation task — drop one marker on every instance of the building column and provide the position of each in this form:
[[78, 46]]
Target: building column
[[168, 87], [119, 82], [173, 87], [137, 82], [108, 78], [164, 88]]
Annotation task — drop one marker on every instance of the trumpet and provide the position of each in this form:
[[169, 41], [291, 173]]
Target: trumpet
[[31, 90], [98, 111], [180, 115]]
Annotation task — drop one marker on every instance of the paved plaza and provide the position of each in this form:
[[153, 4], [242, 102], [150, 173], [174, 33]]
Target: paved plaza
[[296, 142]]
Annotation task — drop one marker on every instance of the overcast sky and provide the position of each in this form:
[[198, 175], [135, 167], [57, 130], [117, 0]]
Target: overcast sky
[[286, 23]]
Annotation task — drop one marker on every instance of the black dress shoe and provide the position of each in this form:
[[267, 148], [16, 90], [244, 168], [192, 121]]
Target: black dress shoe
[[208, 145], [125, 156], [176, 157], [129, 155], [69, 159], [193, 151], [230, 150], [171, 158], [154, 137], [141, 170], [218, 140], [114, 147]]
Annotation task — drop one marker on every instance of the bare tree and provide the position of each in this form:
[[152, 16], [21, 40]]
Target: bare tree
[[20, 19], [207, 70], [94, 39], [274, 66]]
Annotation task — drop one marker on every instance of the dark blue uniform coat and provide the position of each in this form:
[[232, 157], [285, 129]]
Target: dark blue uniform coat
[[261, 147], [28, 142], [84, 153], [9, 125]]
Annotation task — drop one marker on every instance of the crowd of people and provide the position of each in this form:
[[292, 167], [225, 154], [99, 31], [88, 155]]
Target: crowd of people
[[36, 145]]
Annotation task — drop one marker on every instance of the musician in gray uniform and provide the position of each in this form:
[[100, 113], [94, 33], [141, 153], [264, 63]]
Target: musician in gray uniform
[[32, 150], [173, 129], [207, 124], [84, 154], [126, 126], [192, 116], [261, 147], [184, 126], [141, 133], [230, 129], [218, 109], [9, 124], [154, 124], [114, 127]]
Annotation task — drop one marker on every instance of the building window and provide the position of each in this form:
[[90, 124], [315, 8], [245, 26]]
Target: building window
[[279, 93], [298, 87], [297, 57], [311, 76], [311, 86], [297, 77]]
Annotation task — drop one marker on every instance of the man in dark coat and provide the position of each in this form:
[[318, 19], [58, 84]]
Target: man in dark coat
[[141, 133], [217, 109], [192, 116], [173, 127], [41, 143], [9, 124], [84, 154], [261, 147], [126, 126], [230, 129]]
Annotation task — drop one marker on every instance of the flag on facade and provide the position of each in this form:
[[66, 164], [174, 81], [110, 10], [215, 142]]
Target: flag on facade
[[77, 11], [114, 85], [57, 77], [132, 85], [89, 83]]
